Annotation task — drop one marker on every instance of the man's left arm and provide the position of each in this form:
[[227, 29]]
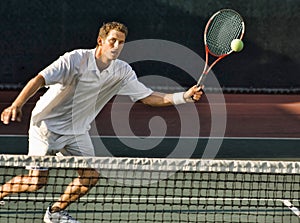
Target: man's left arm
[[160, 99]]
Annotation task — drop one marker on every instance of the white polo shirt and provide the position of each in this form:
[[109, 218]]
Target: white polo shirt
[[78, 91]]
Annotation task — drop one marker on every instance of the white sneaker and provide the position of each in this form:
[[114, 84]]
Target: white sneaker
[[58, 217]]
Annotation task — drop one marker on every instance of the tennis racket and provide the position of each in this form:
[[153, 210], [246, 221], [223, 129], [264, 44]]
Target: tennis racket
[[222, 27]]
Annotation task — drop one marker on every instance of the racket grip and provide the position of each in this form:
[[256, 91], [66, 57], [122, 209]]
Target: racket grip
[[201, 80]]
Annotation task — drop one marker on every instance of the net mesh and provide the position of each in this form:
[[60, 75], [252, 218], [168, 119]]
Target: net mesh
[[226, 26], [160, 190]]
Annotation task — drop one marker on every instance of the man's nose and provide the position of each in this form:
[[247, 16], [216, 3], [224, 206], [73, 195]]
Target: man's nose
[[116, 44]]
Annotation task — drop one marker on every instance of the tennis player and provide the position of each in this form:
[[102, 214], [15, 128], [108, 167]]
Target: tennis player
[[80, 83]]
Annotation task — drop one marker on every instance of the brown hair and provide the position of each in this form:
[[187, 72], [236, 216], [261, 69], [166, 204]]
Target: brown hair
[[107, 27]]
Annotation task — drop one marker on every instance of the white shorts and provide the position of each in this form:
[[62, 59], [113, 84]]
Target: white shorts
[[44, 142]]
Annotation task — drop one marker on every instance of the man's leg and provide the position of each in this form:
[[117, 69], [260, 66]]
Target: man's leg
[[77, 188], [35, 180], [79, 145]]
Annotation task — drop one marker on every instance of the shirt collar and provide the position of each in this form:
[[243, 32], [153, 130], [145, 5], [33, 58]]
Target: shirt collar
[[92, 63]]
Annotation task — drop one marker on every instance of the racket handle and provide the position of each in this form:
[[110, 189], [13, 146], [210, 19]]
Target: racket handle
[[201, 80]]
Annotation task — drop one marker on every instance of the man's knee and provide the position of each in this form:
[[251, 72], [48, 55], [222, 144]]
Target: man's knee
[[38, 179], [41, 182], [88, 177]]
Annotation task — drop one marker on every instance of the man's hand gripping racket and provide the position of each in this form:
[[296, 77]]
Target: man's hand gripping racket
[[221, 29]]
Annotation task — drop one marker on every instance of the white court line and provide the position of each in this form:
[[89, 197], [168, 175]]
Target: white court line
[[194, 137], [294, 209], [285, 202], [175, 137]]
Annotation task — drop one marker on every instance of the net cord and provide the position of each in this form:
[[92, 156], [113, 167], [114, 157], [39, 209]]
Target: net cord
[[155, 164]]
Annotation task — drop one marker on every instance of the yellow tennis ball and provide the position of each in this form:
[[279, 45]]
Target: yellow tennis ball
[[237, 45]]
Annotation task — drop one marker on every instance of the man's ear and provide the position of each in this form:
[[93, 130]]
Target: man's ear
[[99, 41]]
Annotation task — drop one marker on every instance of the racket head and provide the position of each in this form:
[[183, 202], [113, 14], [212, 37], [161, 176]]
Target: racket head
[[223, 27]]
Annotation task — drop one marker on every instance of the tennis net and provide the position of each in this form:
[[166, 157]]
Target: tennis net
[[160, 190]]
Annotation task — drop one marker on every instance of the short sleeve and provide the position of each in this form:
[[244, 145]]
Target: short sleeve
[[133, 88], [60, 70]]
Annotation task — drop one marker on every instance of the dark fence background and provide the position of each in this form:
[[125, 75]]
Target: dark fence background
[[36, 32]]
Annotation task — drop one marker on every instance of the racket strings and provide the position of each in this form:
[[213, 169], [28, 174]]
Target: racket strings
[[223, 28]]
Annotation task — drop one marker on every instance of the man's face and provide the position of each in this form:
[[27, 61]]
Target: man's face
[[112, 45]]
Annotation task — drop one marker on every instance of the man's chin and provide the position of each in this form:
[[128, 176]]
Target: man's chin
[[114, 57]]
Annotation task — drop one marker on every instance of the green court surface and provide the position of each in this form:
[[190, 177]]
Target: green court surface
[[182, 200], [195, 197], [230, 147]]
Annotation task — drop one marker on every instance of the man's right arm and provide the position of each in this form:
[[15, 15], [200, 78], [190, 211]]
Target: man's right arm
[[14, 112]]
